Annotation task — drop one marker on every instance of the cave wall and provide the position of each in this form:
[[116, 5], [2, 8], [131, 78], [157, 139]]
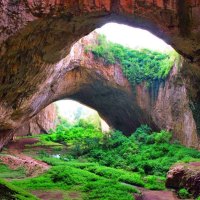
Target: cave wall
[[168, 103], [163, 105], [43, 122], [36, 37]]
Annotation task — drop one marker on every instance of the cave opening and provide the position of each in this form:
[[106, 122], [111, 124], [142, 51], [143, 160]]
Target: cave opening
[[119, 71], [109, 68], [73, 112], [37, 69]]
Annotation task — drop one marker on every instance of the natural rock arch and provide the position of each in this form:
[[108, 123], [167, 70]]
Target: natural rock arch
[[37, 35]]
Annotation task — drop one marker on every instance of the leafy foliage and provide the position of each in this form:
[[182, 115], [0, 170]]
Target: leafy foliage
[[68, 134], [6, 172], [71, 178], [137, 65], [11, 192], [145, 154], [184, 194], [107, 166]]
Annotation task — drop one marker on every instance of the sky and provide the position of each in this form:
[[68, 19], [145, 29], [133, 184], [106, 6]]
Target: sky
[[67, 108], [133, 37], [127, 36]]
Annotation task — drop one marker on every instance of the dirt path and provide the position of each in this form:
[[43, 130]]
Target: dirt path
[[17, 158], [155, 194], [56, 195], [48, 195]]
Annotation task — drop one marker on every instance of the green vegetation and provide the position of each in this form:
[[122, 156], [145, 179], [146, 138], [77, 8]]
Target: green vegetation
[[137, 65], [72, 133], [65, 177], [11, 192], [145, 152], [103, 166], [141, 159], [8, 173], [184, 194]]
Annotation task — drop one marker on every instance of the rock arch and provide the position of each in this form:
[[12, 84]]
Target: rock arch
[[36, 37]]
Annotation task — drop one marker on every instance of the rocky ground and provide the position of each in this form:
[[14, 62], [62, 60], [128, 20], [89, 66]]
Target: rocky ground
[[15, 158]]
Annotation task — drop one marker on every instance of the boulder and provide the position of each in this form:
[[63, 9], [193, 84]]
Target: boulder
[[185, 175]]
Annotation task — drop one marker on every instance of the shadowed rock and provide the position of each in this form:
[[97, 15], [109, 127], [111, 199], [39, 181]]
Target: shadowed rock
[[36, 37], [185, 175]]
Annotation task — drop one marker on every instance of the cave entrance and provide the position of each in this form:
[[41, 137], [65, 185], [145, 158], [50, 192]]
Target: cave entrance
[[101, 74], [118, 70], [35, 43], [74, 112]]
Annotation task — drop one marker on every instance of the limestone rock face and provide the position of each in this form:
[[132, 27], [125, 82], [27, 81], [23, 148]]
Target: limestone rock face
[[36, 37], [5, 137], [163, 105], [168, 104], [45, 120], [185, 176]]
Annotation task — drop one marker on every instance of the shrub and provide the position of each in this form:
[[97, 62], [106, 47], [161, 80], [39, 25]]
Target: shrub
[[137, 65], [163, 137], [69, 134], [114, 139], [141, 134], [146, 153], [155, 183], [62, 176], [183, 193]]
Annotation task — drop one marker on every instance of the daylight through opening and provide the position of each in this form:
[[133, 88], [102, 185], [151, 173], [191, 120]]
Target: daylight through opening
[[116, 127]]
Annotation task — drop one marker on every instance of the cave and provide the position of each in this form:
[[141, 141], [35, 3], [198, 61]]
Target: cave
[[36, 39], [43, 59]]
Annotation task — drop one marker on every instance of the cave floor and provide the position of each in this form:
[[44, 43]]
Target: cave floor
[[23, 153]]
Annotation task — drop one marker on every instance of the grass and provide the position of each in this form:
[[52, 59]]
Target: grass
[[120, 175], [149, 182], [11, 192], [8, 173], [90, 185], [105, 167], [110, 173]]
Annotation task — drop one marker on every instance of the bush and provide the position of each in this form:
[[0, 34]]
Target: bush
[[114, 139], [62, 176], [141, 134], [144, 154], [162, 137], [137, 65], [183, 193], [69, 134]]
